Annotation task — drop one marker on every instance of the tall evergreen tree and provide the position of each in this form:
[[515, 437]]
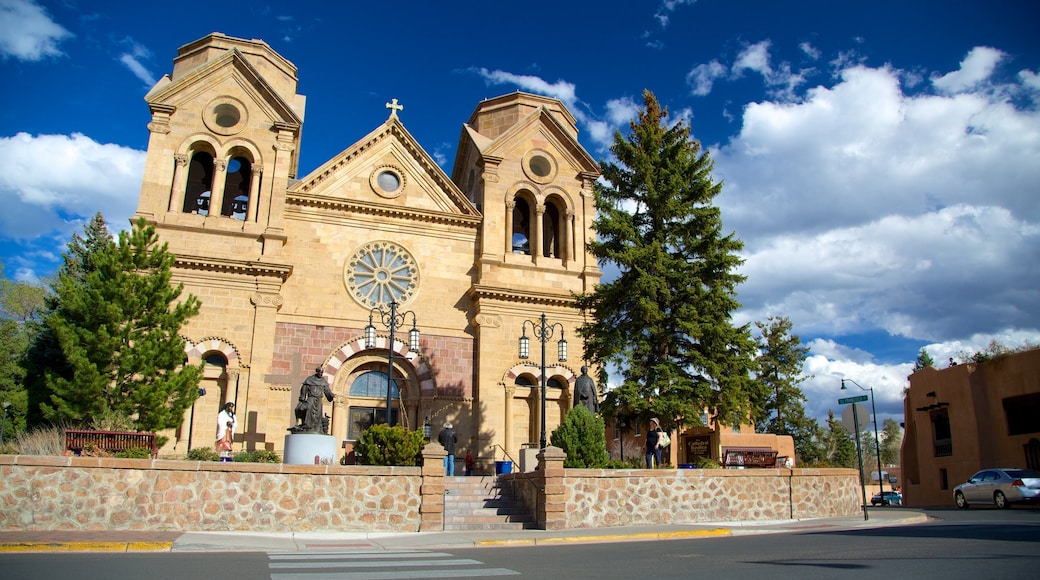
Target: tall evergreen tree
[[839, 447], [665, 322], [891, 442], [116, 322]]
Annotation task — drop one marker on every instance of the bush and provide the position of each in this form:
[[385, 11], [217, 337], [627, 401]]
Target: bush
[[203, 454], [42, 440], [382, 445], [628, 463], [581, 438], [258, 456], [135, 453], [707, 463]]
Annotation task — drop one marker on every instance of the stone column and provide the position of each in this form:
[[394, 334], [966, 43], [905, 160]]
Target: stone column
[[552, 508], [510, 390], [536, 232], [254, 193], [216, 196], [177, 187], [431, 501], [510, 207]]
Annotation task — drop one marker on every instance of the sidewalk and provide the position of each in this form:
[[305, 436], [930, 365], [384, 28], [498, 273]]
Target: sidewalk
[[146, 541]]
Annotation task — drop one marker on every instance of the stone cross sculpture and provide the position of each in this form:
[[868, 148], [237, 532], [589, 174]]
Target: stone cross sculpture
[[585, 392], [309, 415]]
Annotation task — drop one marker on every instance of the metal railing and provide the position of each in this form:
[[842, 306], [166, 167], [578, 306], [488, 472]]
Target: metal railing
[[110, 441]]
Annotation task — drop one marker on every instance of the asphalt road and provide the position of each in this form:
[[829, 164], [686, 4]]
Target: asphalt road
[[955, 544]]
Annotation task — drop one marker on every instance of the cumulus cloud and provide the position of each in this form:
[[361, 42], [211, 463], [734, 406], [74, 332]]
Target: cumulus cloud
[[976, 68], [52, 183], [865, 209], [560, 89], [664, 11], [27, 32]]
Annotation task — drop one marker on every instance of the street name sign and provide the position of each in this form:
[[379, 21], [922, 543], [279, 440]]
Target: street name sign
[[858, 399]]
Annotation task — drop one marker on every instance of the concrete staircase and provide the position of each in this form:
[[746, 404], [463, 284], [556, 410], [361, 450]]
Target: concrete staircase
[[483, 503]]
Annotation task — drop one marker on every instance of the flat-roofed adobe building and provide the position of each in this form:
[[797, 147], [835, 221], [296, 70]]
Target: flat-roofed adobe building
[[290, 267], [969, 417]]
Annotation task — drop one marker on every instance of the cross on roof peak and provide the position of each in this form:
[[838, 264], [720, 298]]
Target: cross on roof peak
[[394, 107]]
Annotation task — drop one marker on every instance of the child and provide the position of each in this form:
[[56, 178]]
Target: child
[[469, 463]]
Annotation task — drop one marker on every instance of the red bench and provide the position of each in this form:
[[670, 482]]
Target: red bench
[[110, 441]]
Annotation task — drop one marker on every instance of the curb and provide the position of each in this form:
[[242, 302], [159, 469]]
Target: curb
[[648, 536], [86, 547]]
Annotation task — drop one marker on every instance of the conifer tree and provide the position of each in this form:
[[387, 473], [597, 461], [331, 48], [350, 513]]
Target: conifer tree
[[839, 447], [665, 322], [924, 360], [582, 437], [116, 320]]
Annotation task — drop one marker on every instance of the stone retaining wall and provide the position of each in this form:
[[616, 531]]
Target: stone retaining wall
[[83, 493]]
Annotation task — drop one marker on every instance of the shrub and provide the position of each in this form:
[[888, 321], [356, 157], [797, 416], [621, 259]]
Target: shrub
[[628, 463], [8, 449], [258, 456], [581, 438], [382, 445], [203, 454], [42, 440], [135, 453], [707, 463]]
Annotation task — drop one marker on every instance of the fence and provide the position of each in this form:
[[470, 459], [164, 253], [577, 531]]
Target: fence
[[110, 441]]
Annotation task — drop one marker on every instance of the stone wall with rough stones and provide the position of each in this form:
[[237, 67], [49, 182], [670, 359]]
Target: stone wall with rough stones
[[599, 498], [83, 493]]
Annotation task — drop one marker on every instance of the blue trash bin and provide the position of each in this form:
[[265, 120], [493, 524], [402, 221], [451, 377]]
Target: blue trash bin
[[503, 467]]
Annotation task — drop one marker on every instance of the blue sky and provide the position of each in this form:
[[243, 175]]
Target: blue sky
[[881, 159]]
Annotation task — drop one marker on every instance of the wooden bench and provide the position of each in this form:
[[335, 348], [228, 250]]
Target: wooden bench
[[110, 441]]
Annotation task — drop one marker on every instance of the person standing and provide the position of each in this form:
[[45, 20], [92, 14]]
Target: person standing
[[226, 423], [653, 444], [469, 463], [448, 440]]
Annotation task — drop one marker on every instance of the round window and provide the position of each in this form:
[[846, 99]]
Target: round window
[[380, 273], [387, 181], [540, 166], [226, 115]]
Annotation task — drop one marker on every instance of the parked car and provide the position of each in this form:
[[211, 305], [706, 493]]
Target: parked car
[[999, 486], [888, 498]]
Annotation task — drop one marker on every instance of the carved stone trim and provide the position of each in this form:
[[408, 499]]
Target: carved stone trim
[[272, 300]]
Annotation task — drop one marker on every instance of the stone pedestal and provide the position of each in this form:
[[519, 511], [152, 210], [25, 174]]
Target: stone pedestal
[[309, 449]]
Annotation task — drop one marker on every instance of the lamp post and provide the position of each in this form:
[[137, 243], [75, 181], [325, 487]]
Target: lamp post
[[191, 421], [3, 424], [543, 331], [877, 443], [392, 320]]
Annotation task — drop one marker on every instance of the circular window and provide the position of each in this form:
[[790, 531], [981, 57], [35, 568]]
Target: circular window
[[225, 116], [539, 166], [387, 181], [380, 273]]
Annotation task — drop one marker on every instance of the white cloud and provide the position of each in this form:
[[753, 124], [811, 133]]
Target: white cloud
[[754, 58], [52, 183], [663, 14], [1030, 80], [132, 60], [810, 50], [865, 209], [27, 31], [976, 68], [703, 77], [560, 89]]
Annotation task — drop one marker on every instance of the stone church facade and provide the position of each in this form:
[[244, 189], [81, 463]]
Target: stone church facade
[[291, 269]]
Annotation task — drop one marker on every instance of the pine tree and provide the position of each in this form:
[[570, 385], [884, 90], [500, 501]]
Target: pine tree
[[779, 367], [116, 322], [665, 322], [840, 449], [20, 305], [582, 438], [891, 442], [924, 360]]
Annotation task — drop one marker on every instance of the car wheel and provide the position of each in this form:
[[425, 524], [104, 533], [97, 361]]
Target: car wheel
[[1000, 500], [958, 498]]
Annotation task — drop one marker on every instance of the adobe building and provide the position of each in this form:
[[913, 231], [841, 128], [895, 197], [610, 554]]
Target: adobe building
[[968, 417], [292, 268], [733, 447]]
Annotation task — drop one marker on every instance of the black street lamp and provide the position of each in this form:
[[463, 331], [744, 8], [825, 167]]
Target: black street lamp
[[392, 320], [191, 421], [543, 332], [877, 443]]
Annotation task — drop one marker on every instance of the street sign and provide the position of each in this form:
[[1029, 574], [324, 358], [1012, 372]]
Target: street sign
[[858, 399]]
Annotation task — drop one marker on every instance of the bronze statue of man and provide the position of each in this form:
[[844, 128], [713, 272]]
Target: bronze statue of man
[[309, 411], [585, 392]]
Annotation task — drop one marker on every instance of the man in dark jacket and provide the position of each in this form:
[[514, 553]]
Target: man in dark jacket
[[448, 439]]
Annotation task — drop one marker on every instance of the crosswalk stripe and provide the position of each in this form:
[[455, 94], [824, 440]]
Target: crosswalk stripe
[[402, 574], [381, 554], [374, 564]]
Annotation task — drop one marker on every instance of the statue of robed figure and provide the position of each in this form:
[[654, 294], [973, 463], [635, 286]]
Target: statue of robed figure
[[309, 415]]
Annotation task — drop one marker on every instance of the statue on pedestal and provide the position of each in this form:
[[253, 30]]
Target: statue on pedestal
[[309, 415], [585, 392]]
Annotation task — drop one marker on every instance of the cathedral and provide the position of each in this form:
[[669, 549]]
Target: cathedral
[[422, 297]]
